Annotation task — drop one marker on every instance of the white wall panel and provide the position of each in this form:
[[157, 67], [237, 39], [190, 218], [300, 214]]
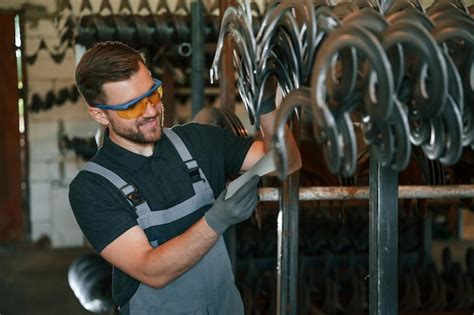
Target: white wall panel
[[40, 229], [45, 171], [41, 201], [64, 230]]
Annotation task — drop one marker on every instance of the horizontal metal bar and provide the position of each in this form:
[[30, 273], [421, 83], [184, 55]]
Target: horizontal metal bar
[[351, 193]]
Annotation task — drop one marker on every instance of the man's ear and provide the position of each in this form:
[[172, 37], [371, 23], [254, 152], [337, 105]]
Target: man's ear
[[98, 115]]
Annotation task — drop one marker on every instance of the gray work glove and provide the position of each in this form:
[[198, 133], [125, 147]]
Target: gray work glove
[[239, 207]]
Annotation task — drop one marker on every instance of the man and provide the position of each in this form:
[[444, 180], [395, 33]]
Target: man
[[151, 201]]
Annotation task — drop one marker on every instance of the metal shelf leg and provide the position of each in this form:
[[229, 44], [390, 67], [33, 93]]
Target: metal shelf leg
[[287, 260], [383, 234]]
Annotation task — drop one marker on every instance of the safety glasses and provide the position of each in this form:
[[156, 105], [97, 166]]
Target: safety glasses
[[136, 107]]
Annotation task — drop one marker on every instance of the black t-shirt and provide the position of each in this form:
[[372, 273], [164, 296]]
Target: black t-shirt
[[162, 179]]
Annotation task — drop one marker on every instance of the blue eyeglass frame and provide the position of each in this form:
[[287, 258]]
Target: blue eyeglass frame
[[129, 104]]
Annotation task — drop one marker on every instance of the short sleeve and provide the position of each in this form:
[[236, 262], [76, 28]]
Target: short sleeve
[[101, 211], [235, 151]]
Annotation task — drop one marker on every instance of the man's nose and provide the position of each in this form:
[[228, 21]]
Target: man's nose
[[152, 109]]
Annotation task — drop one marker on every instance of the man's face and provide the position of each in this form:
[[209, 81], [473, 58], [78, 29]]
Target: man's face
[[144, 129]]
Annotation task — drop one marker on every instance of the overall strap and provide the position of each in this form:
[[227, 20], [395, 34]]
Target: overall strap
[[127, 189], [191, 164]]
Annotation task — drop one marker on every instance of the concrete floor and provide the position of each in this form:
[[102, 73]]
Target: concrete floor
[[34, 281]]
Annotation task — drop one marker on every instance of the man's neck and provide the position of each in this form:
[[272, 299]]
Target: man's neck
[[145, 149]]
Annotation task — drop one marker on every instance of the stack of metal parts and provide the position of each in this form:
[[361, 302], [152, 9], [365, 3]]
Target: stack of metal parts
[[142, 28], [404, 75], [145, 28]]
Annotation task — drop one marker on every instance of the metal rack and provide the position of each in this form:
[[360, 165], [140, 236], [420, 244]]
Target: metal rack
[[383, 194]]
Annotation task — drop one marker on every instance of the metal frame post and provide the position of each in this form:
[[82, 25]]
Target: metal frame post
[[168, 97], [287, 259], [383, 236], [226, 68], [287, 238], [197, 79], [227, 99]]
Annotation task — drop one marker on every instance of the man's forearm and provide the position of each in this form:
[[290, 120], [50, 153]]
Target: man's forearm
[[171, 259], [267, 122]]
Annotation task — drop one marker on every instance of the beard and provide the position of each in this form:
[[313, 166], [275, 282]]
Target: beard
[[135, 134]]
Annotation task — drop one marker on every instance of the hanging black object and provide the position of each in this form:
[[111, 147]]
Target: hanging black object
[[53, 98], [90, 278]]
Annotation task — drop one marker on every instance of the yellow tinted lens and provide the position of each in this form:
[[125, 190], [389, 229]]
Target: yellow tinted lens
[[155, 97], [140, 107], [135, 111], [160, 90]]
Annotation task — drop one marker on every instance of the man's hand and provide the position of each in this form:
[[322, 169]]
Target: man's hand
[[239, 207]]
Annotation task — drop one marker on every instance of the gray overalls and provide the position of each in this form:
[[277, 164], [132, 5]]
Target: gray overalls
[[208, 287]]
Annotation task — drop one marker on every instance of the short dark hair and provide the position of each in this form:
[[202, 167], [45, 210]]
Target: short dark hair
[[109, 61]]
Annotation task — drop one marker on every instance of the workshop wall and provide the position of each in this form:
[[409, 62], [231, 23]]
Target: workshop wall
[[50, 169]]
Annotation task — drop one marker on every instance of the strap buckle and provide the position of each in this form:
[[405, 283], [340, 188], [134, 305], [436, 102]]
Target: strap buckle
[[132, 194], [195, 174]]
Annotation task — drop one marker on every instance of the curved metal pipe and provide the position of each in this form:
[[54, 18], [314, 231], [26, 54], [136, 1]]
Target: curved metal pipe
[[348, 36], [462, 30], [235, 18], [412, 34], [296, 98], [272, 18], [453, 123]]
